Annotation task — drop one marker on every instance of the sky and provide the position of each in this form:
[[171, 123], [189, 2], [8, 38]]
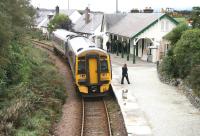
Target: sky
[[109, 6]]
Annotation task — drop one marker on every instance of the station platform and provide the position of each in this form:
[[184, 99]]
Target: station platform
[[134, 119], [149, 107]]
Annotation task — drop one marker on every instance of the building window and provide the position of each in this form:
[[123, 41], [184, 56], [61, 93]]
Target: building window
[[162, 26], [167, 26]]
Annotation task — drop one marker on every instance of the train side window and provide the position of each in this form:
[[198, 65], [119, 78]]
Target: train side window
[[104, 66], [81, 67], [66, 46], [70, 53]]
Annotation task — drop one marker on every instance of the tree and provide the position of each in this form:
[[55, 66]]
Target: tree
[[194, 79], [176, 33], [16, 16], [169, 64], [60, 21], [187, 52], [195, 17]]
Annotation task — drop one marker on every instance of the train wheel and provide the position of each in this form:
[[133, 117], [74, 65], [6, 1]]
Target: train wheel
[[111, 90], [77, 91]]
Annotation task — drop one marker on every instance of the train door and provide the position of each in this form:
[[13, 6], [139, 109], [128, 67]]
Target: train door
[[93, 70]]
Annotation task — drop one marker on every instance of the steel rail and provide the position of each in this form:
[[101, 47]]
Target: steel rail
[[108, 124]]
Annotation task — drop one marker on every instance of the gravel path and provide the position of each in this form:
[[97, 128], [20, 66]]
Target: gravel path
[[115, 115], [71, 117], [70, 122]]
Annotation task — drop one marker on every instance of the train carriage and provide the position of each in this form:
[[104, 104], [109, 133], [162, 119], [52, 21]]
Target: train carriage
[[91, 66]]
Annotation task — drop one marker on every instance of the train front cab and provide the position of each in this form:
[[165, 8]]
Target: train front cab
[[93, 76]]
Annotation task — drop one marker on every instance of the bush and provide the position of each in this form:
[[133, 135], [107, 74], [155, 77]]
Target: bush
[[176, 33], [187, 52], [33, 92], [183, 60], [60, 21], [194, 80]]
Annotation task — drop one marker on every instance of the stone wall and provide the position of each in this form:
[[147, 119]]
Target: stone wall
[[195, 100]]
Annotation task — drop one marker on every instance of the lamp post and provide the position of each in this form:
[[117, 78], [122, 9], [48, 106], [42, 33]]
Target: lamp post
[[134, 51], [133, 54], [128, 51], [68, 4]]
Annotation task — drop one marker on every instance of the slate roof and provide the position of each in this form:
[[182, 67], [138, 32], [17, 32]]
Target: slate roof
[[112, 19], [95, 20], [67, 12], [42, 14], [134, 23]]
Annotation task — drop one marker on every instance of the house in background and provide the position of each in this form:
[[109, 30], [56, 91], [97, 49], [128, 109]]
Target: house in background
[[42, 18], [73, 14], [142, 31], [89, 24], [45, 15]]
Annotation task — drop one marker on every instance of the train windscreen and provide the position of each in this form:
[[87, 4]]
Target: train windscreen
[[81, 67], [104, 65]]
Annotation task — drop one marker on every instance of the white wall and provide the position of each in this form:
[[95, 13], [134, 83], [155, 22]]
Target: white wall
[[155, 32], [74, 16]]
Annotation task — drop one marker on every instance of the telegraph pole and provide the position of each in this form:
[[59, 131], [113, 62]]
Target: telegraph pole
[[68, 4], [116, 6]]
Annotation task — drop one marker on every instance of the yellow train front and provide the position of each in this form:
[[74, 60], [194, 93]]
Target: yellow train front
[[91, 66], [93, 72]]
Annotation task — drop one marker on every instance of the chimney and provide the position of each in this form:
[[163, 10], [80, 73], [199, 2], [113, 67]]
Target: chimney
[[87, 15], [57, 10], [134, 11], [50, 15], [148, 10]]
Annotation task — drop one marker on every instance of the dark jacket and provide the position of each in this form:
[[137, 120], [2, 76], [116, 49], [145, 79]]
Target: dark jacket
[[124, 71]]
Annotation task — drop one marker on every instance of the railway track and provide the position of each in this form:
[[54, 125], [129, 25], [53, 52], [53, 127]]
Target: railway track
[[95, 119], [43, 45]]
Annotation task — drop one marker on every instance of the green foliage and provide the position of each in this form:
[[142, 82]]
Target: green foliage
[[168, 67], [194, 79], [35, 34], [181, 19], [33, 92], [16, 16], [60, 21], [187, 52], [195, 17], [183, 60], [176, 33]]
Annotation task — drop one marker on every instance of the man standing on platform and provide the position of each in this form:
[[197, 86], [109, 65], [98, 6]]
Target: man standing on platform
[[125, 74], [108, 46]]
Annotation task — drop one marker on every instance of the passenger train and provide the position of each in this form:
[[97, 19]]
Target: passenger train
[[90, 66]]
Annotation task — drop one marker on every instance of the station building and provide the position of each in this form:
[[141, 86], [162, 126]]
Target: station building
[[131, 35], [142, 34]]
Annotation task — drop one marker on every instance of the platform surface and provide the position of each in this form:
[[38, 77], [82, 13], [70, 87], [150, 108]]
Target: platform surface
[[151, 107]]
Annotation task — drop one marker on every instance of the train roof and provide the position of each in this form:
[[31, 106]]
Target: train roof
[[82, 44], [78, 43], [62, 34]]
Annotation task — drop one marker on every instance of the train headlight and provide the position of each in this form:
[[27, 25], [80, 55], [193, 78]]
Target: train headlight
[[93, 91], [82, 81]]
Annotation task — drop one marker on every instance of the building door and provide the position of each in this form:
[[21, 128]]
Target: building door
[[142, 46], [93, 72], [137, 49]]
